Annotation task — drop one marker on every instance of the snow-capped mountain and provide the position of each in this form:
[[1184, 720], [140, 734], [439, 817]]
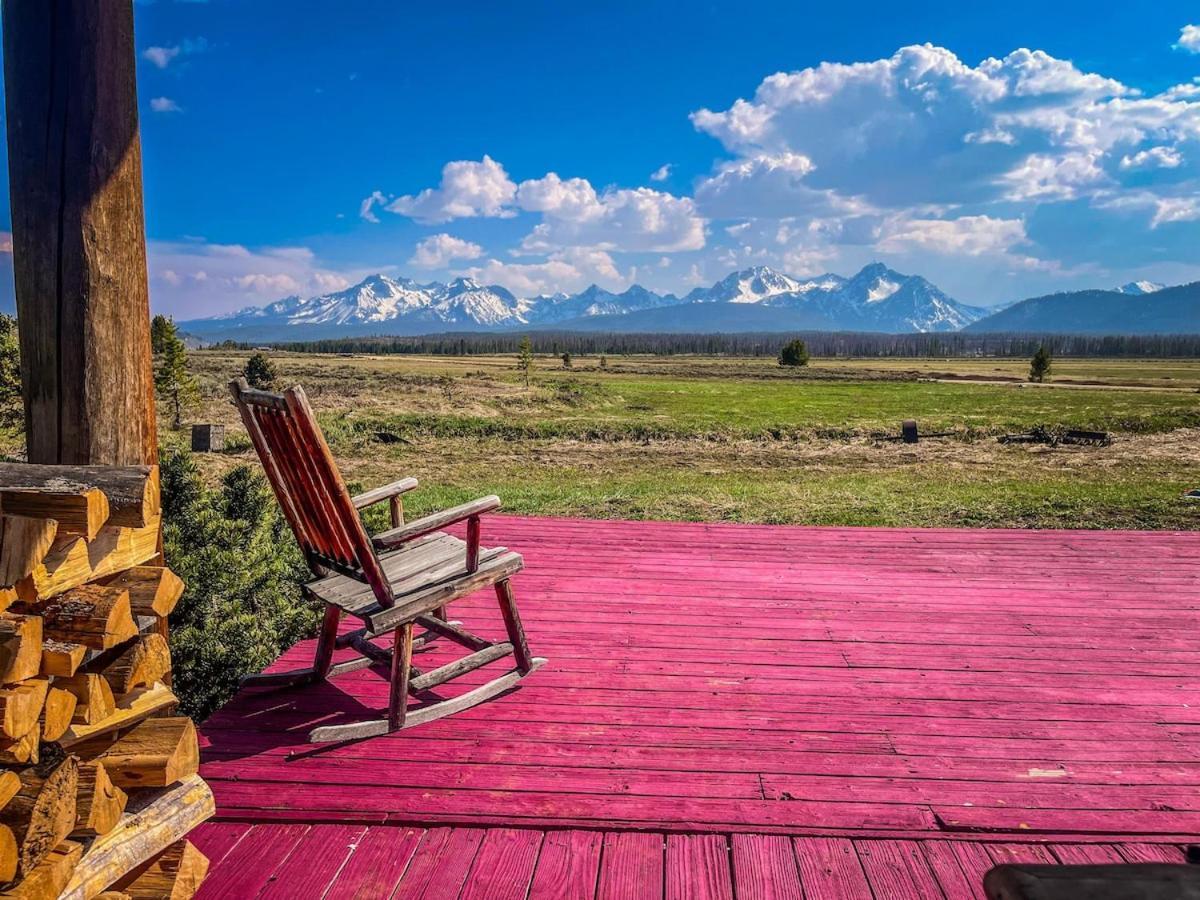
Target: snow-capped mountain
[[759, 284], [594, 301], [875, 299], [1140, 287], [756, 299], [880, 299], [379, 300]]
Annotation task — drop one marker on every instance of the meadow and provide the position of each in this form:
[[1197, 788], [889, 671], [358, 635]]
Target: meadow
[[741, 439]]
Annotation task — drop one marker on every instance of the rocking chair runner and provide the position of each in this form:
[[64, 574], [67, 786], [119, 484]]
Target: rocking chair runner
[[393, 581]]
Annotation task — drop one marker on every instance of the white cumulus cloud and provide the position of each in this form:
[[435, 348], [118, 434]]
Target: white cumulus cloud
[[571, 270], [438, 250], [966, 235], [1153, 158], [770, 186], [1175, 209], [570, 199], [467, 189], [164, 105], [161, 56], [662, 173], [1045, 176], [924, 127], [366, 209], [1189, 39], [632, 220], [195, 278], [268, 285]]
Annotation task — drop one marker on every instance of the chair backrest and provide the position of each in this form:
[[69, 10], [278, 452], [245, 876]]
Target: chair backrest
[[308, 485]]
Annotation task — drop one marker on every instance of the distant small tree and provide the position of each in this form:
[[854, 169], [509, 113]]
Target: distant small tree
[[603, 362], [12, 407], [525, 358], [161, 328], [175, 385], [794, 353], [1039, 366], [566, 358], [260, 372]]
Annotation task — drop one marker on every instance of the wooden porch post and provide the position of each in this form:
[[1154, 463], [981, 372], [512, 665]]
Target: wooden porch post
[[79, 251]]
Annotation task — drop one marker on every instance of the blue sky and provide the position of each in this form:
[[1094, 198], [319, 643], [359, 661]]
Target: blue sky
[[1001, 152]]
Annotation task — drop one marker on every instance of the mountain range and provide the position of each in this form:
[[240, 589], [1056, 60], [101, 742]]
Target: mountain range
[[1137, 308], [876, 299]]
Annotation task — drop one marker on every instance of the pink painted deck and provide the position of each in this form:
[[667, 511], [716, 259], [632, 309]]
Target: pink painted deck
[[337, 862], [714, 681]]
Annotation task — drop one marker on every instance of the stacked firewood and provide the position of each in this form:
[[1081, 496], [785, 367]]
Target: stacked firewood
[[98, 783]]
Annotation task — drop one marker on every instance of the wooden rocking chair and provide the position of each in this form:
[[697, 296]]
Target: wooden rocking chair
[[392, 582]]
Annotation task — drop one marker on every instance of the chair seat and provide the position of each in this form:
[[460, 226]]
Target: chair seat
[[424, 574]]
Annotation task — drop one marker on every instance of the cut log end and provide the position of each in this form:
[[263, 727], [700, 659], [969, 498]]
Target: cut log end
[[175, 874], [144, 662], [58, 713], [21, 638], [62, 658], [48, 879], [153, 590], [21, 750], [21, 706], [25, 543], [42, 812], [77, 509], [93, 615], [94, 698], [99, 804], [155, 753], [8, 854]]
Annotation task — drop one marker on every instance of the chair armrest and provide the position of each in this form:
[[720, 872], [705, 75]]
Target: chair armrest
[[394, 537], [379, 494], [391, 493]]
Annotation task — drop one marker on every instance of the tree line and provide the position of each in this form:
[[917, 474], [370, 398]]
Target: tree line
[[819, 343]]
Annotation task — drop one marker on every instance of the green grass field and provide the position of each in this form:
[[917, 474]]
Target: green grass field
[[742, 440]]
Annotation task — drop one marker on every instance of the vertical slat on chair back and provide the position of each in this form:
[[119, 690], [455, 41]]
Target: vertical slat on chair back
[[307, 483]]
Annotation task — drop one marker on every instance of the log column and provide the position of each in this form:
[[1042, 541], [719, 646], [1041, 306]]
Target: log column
[[79, 250]]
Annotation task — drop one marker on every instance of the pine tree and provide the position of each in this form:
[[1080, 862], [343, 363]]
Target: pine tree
[[795, 353], [1039, 366], [161, 328], [243, 605], [525, 358], [260, 372], [566, 359], [175, 385]]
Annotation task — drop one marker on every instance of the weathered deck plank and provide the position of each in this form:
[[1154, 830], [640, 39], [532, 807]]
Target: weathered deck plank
[[389, 861]]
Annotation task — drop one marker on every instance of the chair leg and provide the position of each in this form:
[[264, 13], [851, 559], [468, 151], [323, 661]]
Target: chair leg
[[512, 623], [401, 669], [403, 678], [323, 658]]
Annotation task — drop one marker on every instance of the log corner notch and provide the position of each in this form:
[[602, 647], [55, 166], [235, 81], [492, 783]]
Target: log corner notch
[[79, 251]]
